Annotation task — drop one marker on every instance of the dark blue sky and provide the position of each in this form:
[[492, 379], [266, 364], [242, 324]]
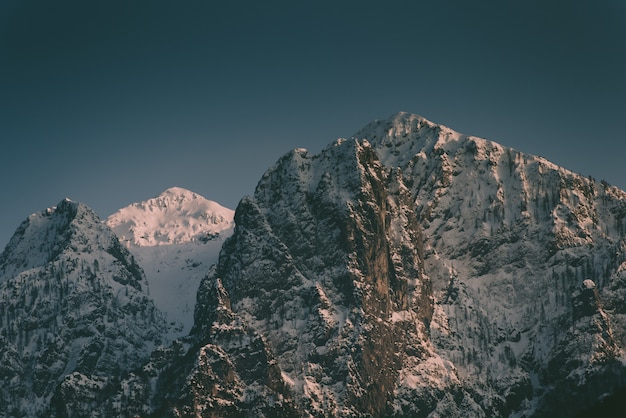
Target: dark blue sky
[[111, 102]]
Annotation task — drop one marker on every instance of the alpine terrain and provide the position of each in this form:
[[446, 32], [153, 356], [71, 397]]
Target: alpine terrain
[[74, 314], [407, 271], [175, 237]]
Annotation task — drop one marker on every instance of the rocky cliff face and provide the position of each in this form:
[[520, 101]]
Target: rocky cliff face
[[512, 241], [413, 270], [73, 315], [338, 288]]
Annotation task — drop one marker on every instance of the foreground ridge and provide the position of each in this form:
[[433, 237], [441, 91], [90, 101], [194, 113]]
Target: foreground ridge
[[413, 270]]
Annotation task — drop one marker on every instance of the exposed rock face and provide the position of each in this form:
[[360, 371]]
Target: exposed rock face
[[414, 271], [341, 316], [73, 316], [510, 239]]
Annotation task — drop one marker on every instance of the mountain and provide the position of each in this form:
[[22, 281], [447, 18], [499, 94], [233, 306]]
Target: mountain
[[176, 216], [412, 271], [531, 253], [407, 271], [74, 315], [175, 237]]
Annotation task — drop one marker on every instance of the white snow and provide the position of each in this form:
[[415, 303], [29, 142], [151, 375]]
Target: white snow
[[176, 216], [175, 237]]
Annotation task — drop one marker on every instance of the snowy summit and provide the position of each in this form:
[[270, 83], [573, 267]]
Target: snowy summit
[[176, 216], [175, 237]]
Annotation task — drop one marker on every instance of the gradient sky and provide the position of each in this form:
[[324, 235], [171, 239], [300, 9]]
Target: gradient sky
[[111, 102]]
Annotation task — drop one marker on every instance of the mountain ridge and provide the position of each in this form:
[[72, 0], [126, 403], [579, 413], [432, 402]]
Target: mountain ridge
[[72, 316], [495, 222], [407, 271]]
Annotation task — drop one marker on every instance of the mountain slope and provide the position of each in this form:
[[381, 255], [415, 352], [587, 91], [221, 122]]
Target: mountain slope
[[413, 270], [512, 240], [73, 314], [175, 237], [408, 271], [311, 272]]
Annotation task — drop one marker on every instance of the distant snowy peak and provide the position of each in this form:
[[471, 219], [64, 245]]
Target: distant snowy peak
[[176, 216]]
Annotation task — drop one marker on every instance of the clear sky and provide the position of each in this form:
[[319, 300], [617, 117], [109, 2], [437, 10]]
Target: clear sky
[[111, 102]]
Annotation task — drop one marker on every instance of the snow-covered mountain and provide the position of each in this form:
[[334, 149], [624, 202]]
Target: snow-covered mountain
[[527, 263], [407, 271], [74, 315], [413, 271], [176, 216], [175, 237]]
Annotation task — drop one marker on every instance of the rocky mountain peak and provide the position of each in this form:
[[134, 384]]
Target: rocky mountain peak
[[402, 127], [464, 256], [331, 274], [73, 313], [44, 235]]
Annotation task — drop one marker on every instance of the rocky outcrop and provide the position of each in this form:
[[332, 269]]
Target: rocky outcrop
[[525, 259], [325, 264]]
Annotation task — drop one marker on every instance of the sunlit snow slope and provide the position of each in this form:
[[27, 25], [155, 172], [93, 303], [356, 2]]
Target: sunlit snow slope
[[175, 237]]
